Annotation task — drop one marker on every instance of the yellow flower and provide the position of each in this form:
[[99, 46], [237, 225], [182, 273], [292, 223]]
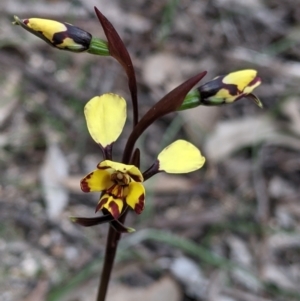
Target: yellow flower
[[121, 184], [231, 87], [60, 35]]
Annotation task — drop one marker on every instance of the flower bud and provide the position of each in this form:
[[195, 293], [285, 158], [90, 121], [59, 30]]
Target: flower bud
[[62, 35], [231, 87], [224, 89]]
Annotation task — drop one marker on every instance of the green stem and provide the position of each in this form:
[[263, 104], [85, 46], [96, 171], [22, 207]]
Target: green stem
[[192, 100], [98, 47]]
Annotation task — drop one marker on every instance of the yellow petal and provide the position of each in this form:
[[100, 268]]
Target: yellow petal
[[224, 95], [105, 116], [241, 79], [98, 180], [131, 170], [113, 205], [136, 197], [180, 157], [58, 34], [47, 27]]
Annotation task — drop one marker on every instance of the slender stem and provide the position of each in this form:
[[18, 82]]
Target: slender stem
[[110, 253]]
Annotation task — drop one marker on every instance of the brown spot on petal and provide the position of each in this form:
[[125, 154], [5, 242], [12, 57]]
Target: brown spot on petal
[[102, 167], [101, 203], [254, 81], [135, 177], [232, 89], [84, 185], [114, 209], [139, 207]]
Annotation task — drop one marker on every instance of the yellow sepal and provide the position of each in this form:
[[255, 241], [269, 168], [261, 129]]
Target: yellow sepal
[[242, 79], [98, 180], [180, 157], [136, 197], [131, 170], [47, 27], [105, 117]]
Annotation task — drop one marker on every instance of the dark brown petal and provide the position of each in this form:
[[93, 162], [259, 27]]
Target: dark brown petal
[[118, 51], [169, 103]]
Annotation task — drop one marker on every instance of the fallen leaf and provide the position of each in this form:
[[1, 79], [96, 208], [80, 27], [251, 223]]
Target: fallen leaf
[[276, 274], [230, 136], [280, 188], [291, 108], [53, 172], [189, 274], [163, 289], [9, 97], [240, 254]]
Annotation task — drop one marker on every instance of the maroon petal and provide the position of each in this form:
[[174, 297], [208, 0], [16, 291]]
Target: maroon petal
[[169, 103], [118, 51]]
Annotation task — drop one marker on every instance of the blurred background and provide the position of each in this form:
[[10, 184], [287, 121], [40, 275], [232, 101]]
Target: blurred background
[[228, 232]]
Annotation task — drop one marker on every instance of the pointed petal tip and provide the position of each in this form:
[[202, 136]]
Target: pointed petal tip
[[260, 104], [121, 228], [130, 230], [256, 100], [101, 204], [16, 20]]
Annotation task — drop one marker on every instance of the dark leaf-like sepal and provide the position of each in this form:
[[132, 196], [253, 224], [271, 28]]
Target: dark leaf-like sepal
[[92, 221], [119, 227], [152, 170], [118, 51], [256, 100], [169, 103]]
